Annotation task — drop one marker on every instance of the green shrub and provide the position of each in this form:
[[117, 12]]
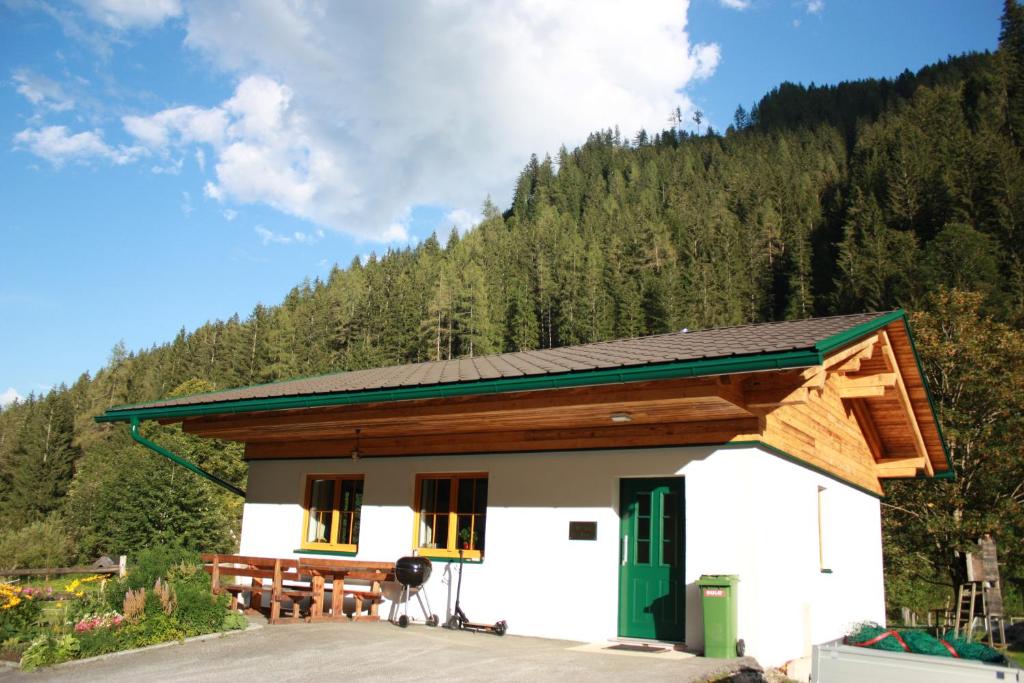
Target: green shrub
[[19, 615], [100, 641], [47, 650], [156, 562], [234, 621], [198, 611], [154, 628]]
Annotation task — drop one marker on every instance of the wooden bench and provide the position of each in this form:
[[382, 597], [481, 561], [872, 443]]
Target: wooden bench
[[256, 570]]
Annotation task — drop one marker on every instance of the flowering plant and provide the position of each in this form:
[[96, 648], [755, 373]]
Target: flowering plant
[[92, 622], [11, 596]]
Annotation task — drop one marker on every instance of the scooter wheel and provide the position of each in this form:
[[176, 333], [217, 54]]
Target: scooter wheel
[[403, 621], [432, 620], [500, 628], [453, 622]]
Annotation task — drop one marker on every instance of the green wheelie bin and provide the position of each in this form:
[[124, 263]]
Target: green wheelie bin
[[718, 602]]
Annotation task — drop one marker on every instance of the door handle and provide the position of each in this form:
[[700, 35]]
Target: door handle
[[625, 549]]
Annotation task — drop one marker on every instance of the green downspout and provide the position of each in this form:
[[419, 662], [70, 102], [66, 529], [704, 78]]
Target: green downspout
[[177, 460]]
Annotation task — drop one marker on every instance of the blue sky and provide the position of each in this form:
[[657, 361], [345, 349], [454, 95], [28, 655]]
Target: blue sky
[[166, 163]]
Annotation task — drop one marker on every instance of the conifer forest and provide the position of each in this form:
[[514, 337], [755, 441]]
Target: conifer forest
[[816, 200]]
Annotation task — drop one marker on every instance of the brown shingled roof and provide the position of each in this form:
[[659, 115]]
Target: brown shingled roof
[[685, 345]]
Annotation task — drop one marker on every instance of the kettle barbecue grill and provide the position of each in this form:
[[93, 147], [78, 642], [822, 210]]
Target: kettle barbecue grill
[[412, 572]]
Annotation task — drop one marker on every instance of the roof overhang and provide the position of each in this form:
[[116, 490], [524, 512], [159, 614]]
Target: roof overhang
[[266, 420]]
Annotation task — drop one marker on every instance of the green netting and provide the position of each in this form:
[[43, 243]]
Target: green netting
[[921, 643], [972, 650]]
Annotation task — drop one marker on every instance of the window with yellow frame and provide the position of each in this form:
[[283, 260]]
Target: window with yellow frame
[[451, 514], [332, 506]]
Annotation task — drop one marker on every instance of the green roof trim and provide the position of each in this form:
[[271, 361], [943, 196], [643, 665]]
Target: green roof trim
[[800, 358], [837, 341]]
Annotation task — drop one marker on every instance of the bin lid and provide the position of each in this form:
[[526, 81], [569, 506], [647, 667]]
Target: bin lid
[[718, 580]]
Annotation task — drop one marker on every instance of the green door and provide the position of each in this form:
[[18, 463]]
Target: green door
[[651, 587]]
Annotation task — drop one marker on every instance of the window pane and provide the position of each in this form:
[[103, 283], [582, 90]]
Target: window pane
[[351, 495], [467, 487], [435, 499], [481, 527], [643, 552], [643, 528], [480, 505], [321, 502], [466, 532], [644, 504], [435, 495]]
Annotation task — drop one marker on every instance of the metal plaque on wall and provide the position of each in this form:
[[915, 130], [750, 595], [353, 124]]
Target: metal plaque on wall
[[582, 531]]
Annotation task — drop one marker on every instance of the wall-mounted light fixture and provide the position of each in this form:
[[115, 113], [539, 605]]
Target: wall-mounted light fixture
[[621, 417]]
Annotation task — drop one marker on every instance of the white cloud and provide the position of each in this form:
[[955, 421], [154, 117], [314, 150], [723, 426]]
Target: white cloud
[[172, 168], [181, 125], [368, 109], [815, 6], [126, 14], [735, 4], [396, 232], [349, 114], [229, 214], [9, 396], [186, 204], [212, 191], [297, 237], [462, 220], [58, 146], [271, 237], [42, 91]]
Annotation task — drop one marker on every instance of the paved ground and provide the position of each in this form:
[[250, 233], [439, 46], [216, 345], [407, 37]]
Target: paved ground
[[382, 652]]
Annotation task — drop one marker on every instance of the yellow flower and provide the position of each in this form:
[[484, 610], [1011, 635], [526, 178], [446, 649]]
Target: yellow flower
[[80, 594], [70, 588]]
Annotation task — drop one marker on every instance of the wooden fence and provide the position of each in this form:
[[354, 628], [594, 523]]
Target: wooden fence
[[104, 565]]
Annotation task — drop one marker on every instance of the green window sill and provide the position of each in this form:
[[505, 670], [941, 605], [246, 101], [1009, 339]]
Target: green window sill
[[335, 553]]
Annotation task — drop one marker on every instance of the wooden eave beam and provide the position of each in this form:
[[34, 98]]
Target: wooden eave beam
[[611, 436], [901, 467], [908, 407], [767, 391], [862, 349], [865, 387]]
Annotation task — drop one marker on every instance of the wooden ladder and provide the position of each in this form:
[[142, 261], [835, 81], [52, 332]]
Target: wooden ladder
[[966, 608]]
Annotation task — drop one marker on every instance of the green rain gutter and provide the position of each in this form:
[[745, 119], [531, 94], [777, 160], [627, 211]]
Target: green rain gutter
[[178, 460], [800, 358]]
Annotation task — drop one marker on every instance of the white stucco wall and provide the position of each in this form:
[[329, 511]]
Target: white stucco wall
[[748, 512]]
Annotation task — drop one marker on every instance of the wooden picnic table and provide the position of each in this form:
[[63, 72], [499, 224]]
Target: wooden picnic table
[[294, 580], [336, 572]]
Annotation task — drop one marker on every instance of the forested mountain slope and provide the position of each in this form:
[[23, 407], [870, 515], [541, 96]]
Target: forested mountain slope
[[860, 196]]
